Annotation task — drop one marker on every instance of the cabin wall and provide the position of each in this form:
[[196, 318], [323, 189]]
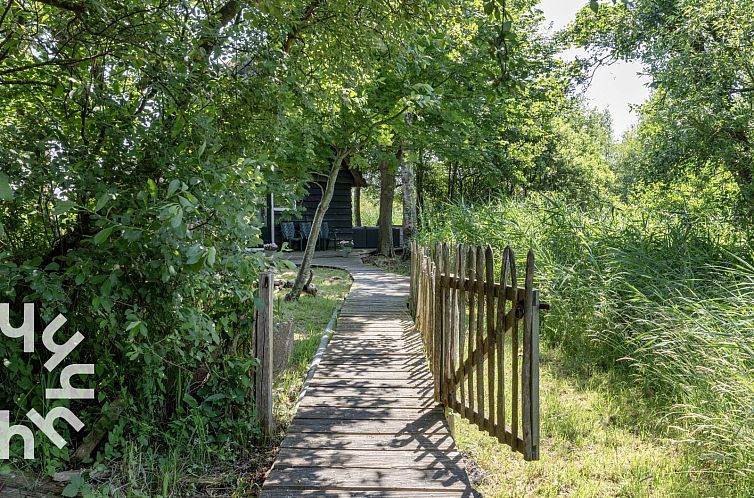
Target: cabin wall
[[339, 216]]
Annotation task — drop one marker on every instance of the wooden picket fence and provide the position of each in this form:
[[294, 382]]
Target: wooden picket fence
[[470, 324]]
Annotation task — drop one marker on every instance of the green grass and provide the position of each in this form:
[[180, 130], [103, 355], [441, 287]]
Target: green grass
[[596, 440], [656, 307]]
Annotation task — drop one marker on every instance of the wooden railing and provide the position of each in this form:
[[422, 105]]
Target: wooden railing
[[472, 323]]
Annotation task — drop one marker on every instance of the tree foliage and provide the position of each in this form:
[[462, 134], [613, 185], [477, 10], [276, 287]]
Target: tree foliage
[[699, 56]]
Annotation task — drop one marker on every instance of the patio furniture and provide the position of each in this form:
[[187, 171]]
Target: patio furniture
[[288, 229], [305, 229], [326, 236]]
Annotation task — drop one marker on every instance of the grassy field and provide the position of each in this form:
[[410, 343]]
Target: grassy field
[[598, 440], [646, 381]]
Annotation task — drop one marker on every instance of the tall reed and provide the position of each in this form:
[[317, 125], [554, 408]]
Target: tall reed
[[666, 297]]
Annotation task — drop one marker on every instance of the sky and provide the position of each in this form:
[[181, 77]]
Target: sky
[[615, 87]]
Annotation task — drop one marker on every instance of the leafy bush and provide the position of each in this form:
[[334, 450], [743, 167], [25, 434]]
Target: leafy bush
[[165, 305]]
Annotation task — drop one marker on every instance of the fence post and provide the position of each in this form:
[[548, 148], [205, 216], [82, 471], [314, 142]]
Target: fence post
[[535, 375], [437, 319], [263, 353], [528, 367]]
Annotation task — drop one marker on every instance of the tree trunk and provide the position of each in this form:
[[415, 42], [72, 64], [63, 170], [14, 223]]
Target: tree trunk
[[357, 207], [319, 215], [387, 194], [420, 182], [408, 186]]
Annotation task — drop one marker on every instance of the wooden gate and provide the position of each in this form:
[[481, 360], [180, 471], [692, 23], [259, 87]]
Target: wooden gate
[[474, 329]]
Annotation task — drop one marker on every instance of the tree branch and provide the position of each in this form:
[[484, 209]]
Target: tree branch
[[293, 34], [53, 62], [226, 13], [26, 82], [65, 5]]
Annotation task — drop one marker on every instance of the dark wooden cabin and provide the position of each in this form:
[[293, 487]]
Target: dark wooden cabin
[[339, 216]]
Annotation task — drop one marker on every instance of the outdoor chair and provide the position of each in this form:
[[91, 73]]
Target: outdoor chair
[[305, 229], [325, 236], [288, 229]]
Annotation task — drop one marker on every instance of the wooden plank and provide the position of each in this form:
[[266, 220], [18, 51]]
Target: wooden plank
[[376, 442], [367, 361], [462, 258], [263, 353], [535, 376], [319, 381], [489, 276], [349, 341], [527, 365], [433, 424], [436, 356], [370, 374], [367, 402], [365, 413], [408, 352], [514, 352], [340, 493], [480, 339], [370, 392], [396, 360], [500, 344], [370, 459], [452, 356], [471, 335], [446, 331], [407, 480]]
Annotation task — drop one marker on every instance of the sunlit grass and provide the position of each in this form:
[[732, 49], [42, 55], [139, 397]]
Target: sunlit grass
[[657, 310], [598, 438]]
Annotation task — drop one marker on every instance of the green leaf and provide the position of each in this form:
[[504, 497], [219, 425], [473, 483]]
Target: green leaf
[[173, 187], [132, 325], [70, 489], [594, 5], [62, 207], [74, 487], [103, 235], [6, 193], [287, 264], [211, 253], [152, 188], [177, 218], [102, 201]]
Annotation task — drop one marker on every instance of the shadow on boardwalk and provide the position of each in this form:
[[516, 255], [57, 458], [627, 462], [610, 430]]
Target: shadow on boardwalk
[[368, 424]]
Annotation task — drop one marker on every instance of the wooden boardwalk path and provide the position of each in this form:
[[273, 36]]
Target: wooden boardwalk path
[[367, 425]]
